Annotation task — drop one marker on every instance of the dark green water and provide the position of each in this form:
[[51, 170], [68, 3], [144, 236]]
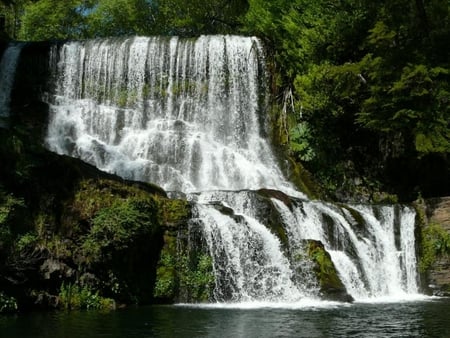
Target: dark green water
[[411, 319]]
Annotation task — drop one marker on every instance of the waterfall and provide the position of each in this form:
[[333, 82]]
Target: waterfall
[[184, 114], [189, 115], [362, 242], [8, 65]]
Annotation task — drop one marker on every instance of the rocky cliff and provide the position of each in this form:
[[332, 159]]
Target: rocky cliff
[[438, 277]]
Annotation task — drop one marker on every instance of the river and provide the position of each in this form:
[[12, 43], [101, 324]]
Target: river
[[425, 318]]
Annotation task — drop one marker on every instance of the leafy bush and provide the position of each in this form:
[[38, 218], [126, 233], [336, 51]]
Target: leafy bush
[[9, 208], [115, 228], [75, 297], [191, 276], [27, 240], [165, 276], [197, 277]]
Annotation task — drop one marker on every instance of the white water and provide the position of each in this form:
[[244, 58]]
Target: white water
[[184, 114], [189, 115], [249, 262], [383, 268], [8, 65]]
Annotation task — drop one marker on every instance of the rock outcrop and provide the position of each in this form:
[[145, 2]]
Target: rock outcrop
[[438, 277]]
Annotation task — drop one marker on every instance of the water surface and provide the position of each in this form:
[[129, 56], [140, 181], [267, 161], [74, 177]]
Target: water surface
[[428, 318]]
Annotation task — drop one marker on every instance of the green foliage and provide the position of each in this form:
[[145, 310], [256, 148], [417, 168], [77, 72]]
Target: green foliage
[[75, 297], [174, 210], [115, 228], [300, 142], [53, 19], [364, 74], [414, 101], [182, 274], [11, 10], [195, 17], [435, 243], [165, 286], [27, 240], [7, 304], [197, 276], [10, 207], [121, 17], [75, 19]]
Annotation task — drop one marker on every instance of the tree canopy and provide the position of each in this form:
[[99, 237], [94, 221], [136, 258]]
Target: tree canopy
[[370, 83], [77, 19]]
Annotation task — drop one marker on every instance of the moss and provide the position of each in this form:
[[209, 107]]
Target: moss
[[174, 211], [384, 198], [304, 180], [117, 227], [325, 269], [93, 195], [331, 285], [356, 215], [77, 221]]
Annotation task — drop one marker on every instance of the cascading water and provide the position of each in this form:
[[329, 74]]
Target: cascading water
[[184, 114], [189, 116], [371, 261], [8, 65]]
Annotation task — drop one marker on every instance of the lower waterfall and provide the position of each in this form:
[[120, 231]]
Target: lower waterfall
[[191, 116], [372, 247]]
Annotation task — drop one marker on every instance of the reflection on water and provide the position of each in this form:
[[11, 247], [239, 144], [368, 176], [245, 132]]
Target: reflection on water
[[410, 319]]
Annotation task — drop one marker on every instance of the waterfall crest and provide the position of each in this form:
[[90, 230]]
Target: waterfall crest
[[189, 115]]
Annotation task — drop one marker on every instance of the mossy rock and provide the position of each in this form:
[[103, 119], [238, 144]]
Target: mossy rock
[[185, 268], [331, 286], [174, 211]]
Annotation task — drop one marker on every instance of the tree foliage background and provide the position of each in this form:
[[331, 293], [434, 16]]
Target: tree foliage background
[[361, 88], [370, 83]]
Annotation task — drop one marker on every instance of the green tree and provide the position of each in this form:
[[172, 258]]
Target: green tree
[[54, 19], [195, 17], [121, 17], [369, 83], [11, 12], [408, 74]]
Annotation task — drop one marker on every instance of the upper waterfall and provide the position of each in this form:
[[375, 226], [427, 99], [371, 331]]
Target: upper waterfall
[[187, 114]]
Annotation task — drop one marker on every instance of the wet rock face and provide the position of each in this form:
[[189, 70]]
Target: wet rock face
[[438, 211], [32, 81], [331, 286]]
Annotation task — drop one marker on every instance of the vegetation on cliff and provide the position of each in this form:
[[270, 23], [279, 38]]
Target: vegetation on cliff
[[72, 236]]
